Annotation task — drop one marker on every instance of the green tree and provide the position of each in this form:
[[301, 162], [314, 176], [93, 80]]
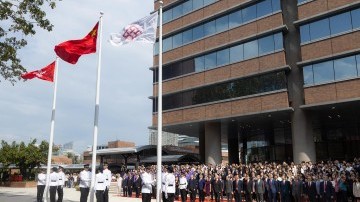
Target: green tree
[[18, 20]]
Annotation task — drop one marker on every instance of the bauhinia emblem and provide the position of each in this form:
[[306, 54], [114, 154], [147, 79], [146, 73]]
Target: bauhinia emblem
[[132, 31]]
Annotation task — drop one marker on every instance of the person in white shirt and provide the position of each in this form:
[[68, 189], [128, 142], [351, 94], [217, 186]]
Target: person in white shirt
[[54, 182], [119, 184], [100, 186], [170, 185], [146, 187], [163, 176], [183, 186], [108, 177], [41, 182], [85, 179], [60, 187]]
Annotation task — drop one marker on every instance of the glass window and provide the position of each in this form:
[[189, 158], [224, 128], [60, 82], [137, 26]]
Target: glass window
[[340, 23], [323, 72], [345, 68], [278, 39], [210, 60], [167, 16], [198, 32], [167, 44], [188, 66], [207, 2], [308, 75], [319, 29], [198, 4], [177, 11], [209, 28], [222, 57], [275, 5], [187, 36], [266, 45], [156, 48], [199, 64], [251, 49], [358, 64], [305, 33], [249, 13], [355, 15], [237, 53], [177, 40], [188, 6], [263, 8], [222, 24], [235, 19]]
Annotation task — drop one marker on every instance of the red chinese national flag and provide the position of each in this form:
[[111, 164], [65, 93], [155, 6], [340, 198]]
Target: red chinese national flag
[[70, 51], [46, 73]]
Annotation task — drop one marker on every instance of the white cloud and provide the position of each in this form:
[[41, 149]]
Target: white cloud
[[126, 82]]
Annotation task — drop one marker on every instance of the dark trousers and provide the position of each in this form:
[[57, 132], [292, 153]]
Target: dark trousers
[[217, 196], [192, 195], [53, 193], [326, 198], [201, 195], [99, 195], [130, 191], [163, 196], [137, 191], [272, 196], [40, 193], [170, 197], [106, 194], [60, 193], [259, 197], [229, 196], [297, 197], [84, 193], [237, 196], [146, 197], [125, 191], [183, 195]]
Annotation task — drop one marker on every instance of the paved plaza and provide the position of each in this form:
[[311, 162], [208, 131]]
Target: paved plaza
[[8, 194]]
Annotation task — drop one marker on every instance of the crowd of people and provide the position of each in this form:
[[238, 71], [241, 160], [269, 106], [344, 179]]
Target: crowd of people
[[315, 182], [286, 182]]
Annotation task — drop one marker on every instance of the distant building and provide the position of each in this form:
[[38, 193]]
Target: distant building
[[167, 138]]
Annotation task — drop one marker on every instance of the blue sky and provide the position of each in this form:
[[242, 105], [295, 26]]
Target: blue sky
[[126, 81]]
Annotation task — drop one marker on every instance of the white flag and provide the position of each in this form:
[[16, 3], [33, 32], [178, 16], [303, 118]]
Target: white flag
[[143, 30]]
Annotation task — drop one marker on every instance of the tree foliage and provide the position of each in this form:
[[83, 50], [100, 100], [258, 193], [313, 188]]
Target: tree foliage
[[19, 20], [25, 157]]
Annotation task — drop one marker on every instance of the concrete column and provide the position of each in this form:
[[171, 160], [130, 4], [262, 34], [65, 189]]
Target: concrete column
[[302, 140], [202, 142], [213, 143], [233, 142]]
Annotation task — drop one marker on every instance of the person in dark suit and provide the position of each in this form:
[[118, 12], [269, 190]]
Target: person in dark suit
[[238, 188], [296, 189], [259, 188], [248, 187], [192, 188], [130, 185], [310, 189], [326, 190], [124, 185], [272, 188], [137, 185], [218, 188], [229, 188], [201, 186], [284, 188]]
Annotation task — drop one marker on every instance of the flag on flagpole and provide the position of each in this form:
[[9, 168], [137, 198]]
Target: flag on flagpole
[[143, 30], [70, 51], [46, 73]]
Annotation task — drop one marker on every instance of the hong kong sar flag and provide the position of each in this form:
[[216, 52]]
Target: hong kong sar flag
[[70, 51], [46, 73]]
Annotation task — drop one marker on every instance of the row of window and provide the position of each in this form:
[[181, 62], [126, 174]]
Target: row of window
[[184, 8], [220, 24], [330, 26], [333, 70], [238, 53], [232, 89]]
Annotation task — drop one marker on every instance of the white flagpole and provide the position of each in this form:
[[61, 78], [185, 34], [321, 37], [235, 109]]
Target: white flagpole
[[159, 128], [51, 132], [96, 119]]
